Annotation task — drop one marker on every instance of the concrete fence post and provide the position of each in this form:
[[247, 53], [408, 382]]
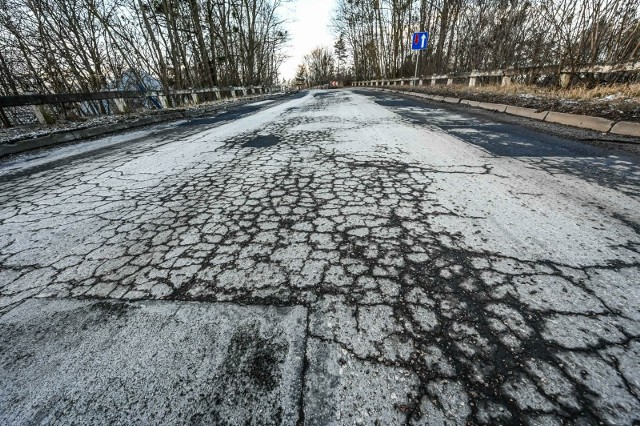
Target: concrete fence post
[[449, 81], [4, 119], [473, 81], [120, 104], [40, 112], [506, 80], [163, 101], [244, 91], [565, 80], [217, 94], [194, 98], [433, 81]]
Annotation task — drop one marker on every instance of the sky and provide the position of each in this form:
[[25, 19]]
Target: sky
[[308, 27]]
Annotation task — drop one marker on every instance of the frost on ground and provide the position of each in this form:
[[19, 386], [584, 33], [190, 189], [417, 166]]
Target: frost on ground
[[442, 281]]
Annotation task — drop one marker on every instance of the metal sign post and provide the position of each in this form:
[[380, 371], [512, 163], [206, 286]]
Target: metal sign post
[[419, 42]]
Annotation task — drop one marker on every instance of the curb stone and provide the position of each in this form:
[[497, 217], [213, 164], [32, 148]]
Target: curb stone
[[527, 112], [493, 107], [470, 103], [626, 128], [584, 121]]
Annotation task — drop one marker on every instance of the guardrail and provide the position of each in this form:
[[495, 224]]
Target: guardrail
[[109, 102], [506, 76]]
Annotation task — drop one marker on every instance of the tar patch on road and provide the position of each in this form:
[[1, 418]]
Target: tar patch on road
[[262, 141]]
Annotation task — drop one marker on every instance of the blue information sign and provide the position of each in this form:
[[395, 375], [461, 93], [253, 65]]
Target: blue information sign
[[419, 41]]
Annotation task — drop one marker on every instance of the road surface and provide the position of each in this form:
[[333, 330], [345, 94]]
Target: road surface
[[334, 257]]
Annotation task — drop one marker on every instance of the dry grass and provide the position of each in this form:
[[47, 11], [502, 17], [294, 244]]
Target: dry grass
[[614, 91]]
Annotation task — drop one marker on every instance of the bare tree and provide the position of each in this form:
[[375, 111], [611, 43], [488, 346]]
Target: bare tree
[[320, 64], [83, 45], [468, 35]]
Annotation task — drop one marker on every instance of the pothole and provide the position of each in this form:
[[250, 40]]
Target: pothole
[[262, 141]]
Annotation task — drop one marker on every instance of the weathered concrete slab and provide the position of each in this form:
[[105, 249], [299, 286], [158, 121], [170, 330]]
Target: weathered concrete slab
[[583, 121], [88, 362], [527, 112], [452, 100], [626, 128]]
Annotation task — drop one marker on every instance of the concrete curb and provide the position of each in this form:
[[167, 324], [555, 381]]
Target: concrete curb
[[527, 112], [493, 107], [599, 124], [626, 128], [470, 103], [584, 121], [72, 135]]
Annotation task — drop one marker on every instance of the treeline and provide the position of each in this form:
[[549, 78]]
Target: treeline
[[468, 35], [56, 46]]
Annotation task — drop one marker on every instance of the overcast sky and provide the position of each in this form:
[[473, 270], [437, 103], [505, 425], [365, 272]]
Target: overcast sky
[[308, 28]]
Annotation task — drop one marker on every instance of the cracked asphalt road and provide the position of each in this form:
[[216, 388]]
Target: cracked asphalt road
[[339, 257]]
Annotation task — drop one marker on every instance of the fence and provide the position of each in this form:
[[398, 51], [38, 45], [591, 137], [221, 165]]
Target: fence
[[507, 76], [39, 106]]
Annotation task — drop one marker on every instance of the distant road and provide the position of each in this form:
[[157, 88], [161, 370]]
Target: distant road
[[335, 257]]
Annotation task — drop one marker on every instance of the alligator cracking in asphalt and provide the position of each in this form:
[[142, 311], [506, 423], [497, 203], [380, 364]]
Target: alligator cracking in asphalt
[[396, 280]]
